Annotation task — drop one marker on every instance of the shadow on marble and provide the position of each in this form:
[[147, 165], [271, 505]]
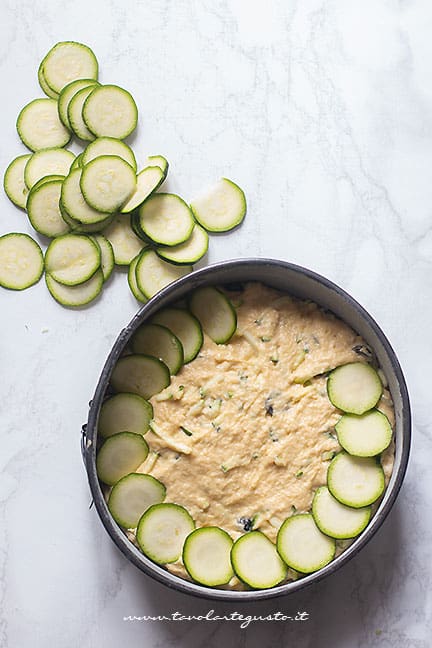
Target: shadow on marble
[[345, 610]]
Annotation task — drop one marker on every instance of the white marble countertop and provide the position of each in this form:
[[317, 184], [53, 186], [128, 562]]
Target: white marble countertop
[[322, 111]]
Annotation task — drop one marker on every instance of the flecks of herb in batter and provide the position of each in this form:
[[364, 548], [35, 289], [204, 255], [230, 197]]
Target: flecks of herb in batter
[[329, 455], [214, 404], [186, 431], [330, 434], [273, 436], [268, 405], [274, 359], [246, 522], [216, 427], [299, 474], [265, 338], [293, 509]]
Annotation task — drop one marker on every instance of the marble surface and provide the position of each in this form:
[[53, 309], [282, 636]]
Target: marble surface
[[322, 111]]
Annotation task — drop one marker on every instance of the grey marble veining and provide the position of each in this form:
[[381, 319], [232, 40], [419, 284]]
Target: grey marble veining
[[322, 111]]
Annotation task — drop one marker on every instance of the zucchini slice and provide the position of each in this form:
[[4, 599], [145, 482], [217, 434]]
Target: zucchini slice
[[125, 412], [120, 455], [107, 255], [49, 161], [125, 243], [256, 561], [136, 292], [335, 519], [39, 125], [74, 203], [166, 219], [21, 261], [48, 178], [160, 342], [354, 388], [221, 208], [162, 530], [107, 182], [355, 481], [134, 222], [14, 183], [185, 327], [67, 94], [77, 163], [366, 435], [72, 259], [110, 111], [153, 274], [74, 114], [140, 374], [215, 313], [44, 211], [79, 295], [132, 495], [148, 180], [81, 228], [109, 146], [45, 87], [303, 546], [188, 252], [160, 161], [67, 61], [207, 556]]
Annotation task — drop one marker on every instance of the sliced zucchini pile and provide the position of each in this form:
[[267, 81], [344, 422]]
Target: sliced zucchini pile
[[100, 191], [73, 267]]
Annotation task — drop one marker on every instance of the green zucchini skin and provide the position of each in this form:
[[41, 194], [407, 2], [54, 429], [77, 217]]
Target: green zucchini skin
[[158, 341], [140, 374], [120, 455], [366, 435], [124, 411], [363, 486], [207, 556], [185, 326], [215, 313], [335, 519], [222, 208], [162, 530], [248, 555], [14, 183], [303, 546], [15, 247], [132, 495], [354, 388]]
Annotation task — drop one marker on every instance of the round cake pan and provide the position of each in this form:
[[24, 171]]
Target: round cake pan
[[299, 282]]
